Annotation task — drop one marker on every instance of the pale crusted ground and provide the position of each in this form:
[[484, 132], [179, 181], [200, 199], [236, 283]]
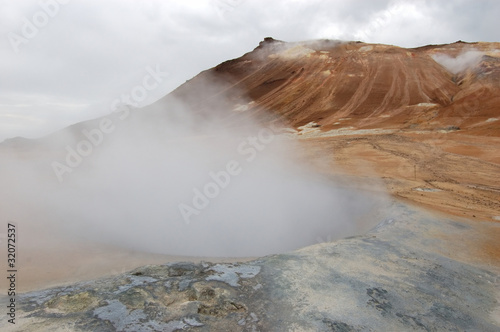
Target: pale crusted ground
[[403, 275]]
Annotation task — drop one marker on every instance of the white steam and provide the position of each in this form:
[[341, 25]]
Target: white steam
[[460, 63], [129, 188]]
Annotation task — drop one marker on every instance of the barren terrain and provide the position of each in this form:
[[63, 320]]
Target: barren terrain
[[376, 117], [431, 133]]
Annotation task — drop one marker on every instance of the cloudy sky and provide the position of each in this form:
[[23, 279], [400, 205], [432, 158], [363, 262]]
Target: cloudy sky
[[64, 61]]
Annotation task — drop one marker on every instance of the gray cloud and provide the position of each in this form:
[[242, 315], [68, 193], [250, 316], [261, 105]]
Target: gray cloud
[[92, 51]]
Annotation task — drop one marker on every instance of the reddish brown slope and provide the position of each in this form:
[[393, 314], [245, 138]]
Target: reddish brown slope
[[346, 82], [375, 86], [440, 129]]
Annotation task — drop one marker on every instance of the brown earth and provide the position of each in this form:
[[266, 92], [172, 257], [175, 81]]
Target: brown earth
[[425, 175], [370, 111], [391, 111], [362, 113]]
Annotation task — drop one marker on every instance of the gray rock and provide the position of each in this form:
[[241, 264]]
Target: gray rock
[[395, 278]]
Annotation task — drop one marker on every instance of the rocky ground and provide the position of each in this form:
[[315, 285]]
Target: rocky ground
[[378, 117], [409, 273]]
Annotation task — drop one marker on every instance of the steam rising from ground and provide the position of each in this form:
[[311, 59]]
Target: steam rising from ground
[[462, 62], [129, 189]]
